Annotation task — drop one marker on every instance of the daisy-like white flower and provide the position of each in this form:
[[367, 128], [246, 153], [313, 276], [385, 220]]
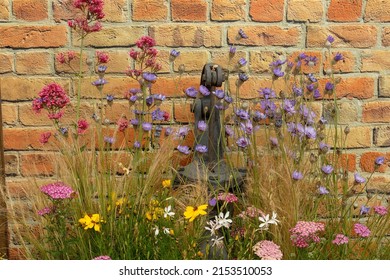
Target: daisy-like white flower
[[156, 230], [217, 242], [222, 219], [167, 212], [266, 221], [213, 226], [167, 231]]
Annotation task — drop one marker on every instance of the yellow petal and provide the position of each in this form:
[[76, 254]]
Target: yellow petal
[[97, 227], [95, 218], [202, 207]]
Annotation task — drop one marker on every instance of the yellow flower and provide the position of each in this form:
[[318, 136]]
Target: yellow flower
[[91, 222], [192, 212], [166, 183]]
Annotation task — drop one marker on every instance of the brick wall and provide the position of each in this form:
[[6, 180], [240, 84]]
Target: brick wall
[[32, 32]]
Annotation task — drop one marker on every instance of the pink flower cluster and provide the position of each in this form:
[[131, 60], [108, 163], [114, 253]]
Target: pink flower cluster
[[45, 137], [340, 239], [306, 232], [53, 98], [380, 210], [65, 57], [92, 12], [267, 250], [228, 197], [122, 124], [58, 191], [361, 230], [102, 57], [45, 211], [251, 212], [82, 126], [102, 258]]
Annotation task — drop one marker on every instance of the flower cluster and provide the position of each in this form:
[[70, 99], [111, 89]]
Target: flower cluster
[[89, 20], [58, 191], [267, 250], [305, 233]]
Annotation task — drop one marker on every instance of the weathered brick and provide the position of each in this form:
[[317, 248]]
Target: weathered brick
[[6, 62], [4, 9], [228, 10], [347, 162], [150, 10], [193, 61], [382, 136], [345, 10], [164, 58], [249, 89], [358, 137], [113, 36], [37, 164], [259, 61], [377, 10], [305, 10], [174, 87], [189, 10], [21, 188], [376, 112], [346, 36], [347, 65], [115, 10], [266, 11], [20, 88], [19, 139], [349, 111], [10, 113], [305, 67], [63, 10], [384, 86], [119, 61], [73, 66], [186, 35], [182, 112], [375, 60], [33, 63], [19, 36], [265, 35], [11, 164], [367, 162], [386, 36], [379, 184], [352, 87], [222, 58], [116, 86], [31, 10]]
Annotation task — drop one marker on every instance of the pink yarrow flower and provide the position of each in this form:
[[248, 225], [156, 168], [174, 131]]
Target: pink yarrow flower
[[305, 233], [122, 124], [380, 210], [340, 239], [45, 211], [228, 197], [102, 258], [58, 191], [267, 250], [361, 230]]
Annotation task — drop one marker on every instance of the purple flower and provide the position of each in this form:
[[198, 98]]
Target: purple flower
[[183, 131], [338, 57], [278, 63], [228, 99], [322, 190], [168, 131], [58, 191], [258, 116], [329, 86], [247, 127], [183, 149], [149, 101], [364, 210], [174, 53], [134, 122], [269, 107], [379, 160], [213, 202], [330, 39], [243, 77], [229, 130], [232, 50], [278, 72], [147, 126], [110, 98], [311, 78], [99, 82], [201, 149], [64, 130], [202, 125], [219, 93], [137, 144], [242, 114], [267, 93], [311, 60], [359, 179], [158, 115], [310, 132], [323, 120], [327, 169], [302, 56], [242, 61], [242, 142], [297, 91], [296, 175], [317, 94], [133, 98], [204, 90], [289, 106], [274, 141], [324, 148], [102, 68], [150, 77], [310, 87], [242, 34], [159, 97], [191, 92], [109, 140]]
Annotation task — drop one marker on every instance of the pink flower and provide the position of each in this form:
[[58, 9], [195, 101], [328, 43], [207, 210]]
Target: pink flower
[[52, 97], [58, 191], [228, 197], [340, 239], [122, 124], [251, 212], [361, 230], [92, 12], [45, 211], [102, 57], [145, 42], [380, 210], [267, 250], [82, 126], [306, 232], [102, 258], [45, 137]]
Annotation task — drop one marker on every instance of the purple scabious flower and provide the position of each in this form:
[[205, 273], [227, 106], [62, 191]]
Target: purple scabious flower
[[232, 50], [213, 202], [330, 39], [338, 57], [134, 90], [202, 125], [278, 63], [204, 90], [149, 101], [307, 114], [317, 94], [191, 92], [134, 122], [258, 116], [102, 68], [99, 82], [183, 149], [380, 160], [267, 93], [242, 34], [242, 142], [310, 87], [219, 93], [109, 98], [322, 190], [158, 115], [297, 91], [150, 77], [146, 126], [296, 129], [302, 56], [289, 106], [247, 127], [58, 191], [327, 169], [324, 148], [296, 175], [311, 61], [310, 132], [159, 97], [168, 131], [229, 130], [364, 210], [329, 86], [201, 148], [109, 140], [228, 99], [278, 72], [183, 131], [242, 114], [243, 77], [311, 78], [137, 144], [359, 179], [269, 107], [242, 62], [133, 98], [174, 53]]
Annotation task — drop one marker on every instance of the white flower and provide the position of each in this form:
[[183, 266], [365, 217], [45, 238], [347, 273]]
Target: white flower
[[167, 212], [213, 227], [156, 230], [218, 242], [223, 220], [167, 231], [266, 221]]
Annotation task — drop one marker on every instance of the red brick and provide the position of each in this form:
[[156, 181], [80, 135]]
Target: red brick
[[367, 162], [182, 112], [115, 10], [347, 65], [265, 35], [222, 58], [173, 35], [19, 139], [116, 86], [4, 9], [10, 113], [305, 10], [346, 36], [20, 88], [358, 137], [376, 112], [349, 111], [11, 164], [6, 62], [353, 87], [266, 11], [377, 10], [193, 60], [345, 10], [347, 162], [228, 10], [173, 87], [119, 61], [379, 184], [189, 10], [32, 63], [19, 36], [386, 36], [375, 60], [63, 10], [115, 36], [305, 68], [384, 86], [382, 136], [150, 10], [37, 164], [73, 66], [31, 10]]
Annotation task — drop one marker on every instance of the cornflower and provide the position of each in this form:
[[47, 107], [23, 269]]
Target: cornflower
[[183, 149], [359, 179], [202, 125], [191, 92]]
